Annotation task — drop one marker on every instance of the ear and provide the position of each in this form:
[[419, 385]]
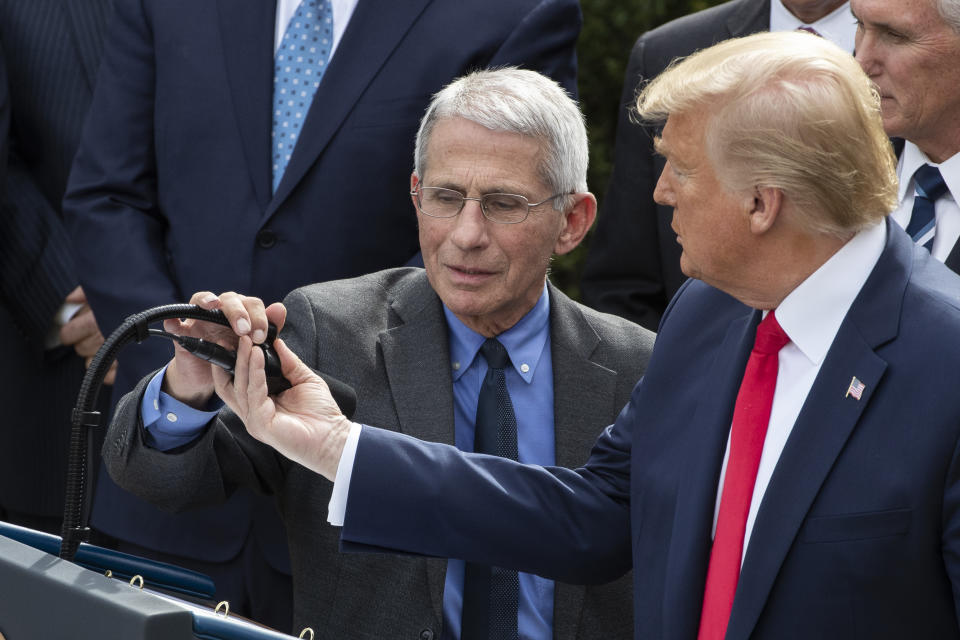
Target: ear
[[764, 208], [576, 222], [414, 181]]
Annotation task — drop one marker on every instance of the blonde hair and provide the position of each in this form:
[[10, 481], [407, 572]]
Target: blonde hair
[[789, 111]]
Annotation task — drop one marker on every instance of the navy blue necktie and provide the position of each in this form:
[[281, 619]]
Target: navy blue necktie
[[929, 187], [491, 594]]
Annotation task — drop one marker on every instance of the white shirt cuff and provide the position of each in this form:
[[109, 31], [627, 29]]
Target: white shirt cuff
[[337, 509]]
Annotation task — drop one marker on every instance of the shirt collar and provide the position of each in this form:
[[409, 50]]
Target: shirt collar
[[913, 158], [838, 26], [813, 312], [523, 341]]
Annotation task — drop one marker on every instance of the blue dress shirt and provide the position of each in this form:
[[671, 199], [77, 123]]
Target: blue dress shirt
[[530, 384], [170, 423]]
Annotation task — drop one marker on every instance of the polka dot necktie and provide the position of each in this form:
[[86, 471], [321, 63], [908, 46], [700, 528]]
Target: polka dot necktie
[[491, 594], [299, 66]]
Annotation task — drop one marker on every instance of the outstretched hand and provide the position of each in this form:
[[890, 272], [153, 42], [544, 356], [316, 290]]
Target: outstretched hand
[[303, 423]]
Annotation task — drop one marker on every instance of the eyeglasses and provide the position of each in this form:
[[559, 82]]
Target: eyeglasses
[[503, 208]]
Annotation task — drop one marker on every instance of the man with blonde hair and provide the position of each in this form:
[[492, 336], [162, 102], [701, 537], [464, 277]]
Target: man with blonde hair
[[788, 466], [632, 268]]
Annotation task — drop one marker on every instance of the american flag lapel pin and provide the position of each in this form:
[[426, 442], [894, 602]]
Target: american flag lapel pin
[[855, 389]]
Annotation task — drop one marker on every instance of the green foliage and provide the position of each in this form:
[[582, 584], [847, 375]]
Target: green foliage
[[610, 27]]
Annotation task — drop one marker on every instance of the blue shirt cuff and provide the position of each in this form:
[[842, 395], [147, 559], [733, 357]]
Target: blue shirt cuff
[[169, 423]]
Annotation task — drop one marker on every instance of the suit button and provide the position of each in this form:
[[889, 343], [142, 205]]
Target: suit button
[[266, 239], [426, 634]]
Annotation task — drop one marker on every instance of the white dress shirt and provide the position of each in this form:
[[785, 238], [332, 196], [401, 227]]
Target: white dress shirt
[[838, 27], [342, 10], [810, 315], [946, 210]]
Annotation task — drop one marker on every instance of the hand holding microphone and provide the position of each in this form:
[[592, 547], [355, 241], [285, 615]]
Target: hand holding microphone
[[282, 402]]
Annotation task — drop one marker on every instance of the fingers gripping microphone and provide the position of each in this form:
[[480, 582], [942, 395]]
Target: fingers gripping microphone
[[343, 394]]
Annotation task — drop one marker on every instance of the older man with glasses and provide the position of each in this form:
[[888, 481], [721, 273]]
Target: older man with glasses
[[478, 349]]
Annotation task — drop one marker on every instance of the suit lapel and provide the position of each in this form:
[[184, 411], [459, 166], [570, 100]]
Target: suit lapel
[[417, 361], [247, 33], [749, 17], [953, 260], [88, 19], [825, 423], [375, 29], [581, 389], [689, 551]]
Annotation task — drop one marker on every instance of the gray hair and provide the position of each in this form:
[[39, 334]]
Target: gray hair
[[517, 101], [950, 12]]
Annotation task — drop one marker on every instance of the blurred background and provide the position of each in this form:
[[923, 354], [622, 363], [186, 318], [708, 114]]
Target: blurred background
[[610, 27]]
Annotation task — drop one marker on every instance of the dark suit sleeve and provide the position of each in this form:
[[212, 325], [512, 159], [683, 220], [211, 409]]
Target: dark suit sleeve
[[4, 122], [573, 526], [624, 269], [951, 528], [545, 40], [111, 207], [36, 264]]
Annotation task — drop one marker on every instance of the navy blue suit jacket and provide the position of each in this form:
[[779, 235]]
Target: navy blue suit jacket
[[170, 192], [4, 122], [858, 534], [52, 50]]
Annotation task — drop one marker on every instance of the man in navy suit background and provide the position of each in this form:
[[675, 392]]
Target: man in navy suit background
[[52, 50], [4, 121], [174, 187], [781, 178]]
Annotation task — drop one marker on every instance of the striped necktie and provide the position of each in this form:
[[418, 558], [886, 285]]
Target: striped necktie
[[929, 188]]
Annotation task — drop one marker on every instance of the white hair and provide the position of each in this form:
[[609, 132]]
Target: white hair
[[517, 101], [950, 12]]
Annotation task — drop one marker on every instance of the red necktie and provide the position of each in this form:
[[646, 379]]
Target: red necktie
[[750, 418]]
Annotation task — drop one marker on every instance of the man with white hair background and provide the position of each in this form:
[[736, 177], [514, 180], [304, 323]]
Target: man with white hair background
[[911, 50]]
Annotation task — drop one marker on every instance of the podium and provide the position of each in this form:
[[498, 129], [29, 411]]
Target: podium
[[43, 596]]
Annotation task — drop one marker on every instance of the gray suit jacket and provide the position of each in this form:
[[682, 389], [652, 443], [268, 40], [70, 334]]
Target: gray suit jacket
[[385, 334]]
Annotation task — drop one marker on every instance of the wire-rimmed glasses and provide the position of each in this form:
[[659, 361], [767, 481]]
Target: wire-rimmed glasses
[[503, 208]]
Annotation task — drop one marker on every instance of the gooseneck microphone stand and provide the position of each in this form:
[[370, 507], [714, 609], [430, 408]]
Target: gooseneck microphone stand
[[76, 515]]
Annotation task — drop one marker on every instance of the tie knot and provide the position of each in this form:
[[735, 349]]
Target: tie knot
[[809, 30], [929, 182], [770, 335], [494, 353]]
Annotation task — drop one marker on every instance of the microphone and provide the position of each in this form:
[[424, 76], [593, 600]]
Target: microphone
[[343, 394]]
